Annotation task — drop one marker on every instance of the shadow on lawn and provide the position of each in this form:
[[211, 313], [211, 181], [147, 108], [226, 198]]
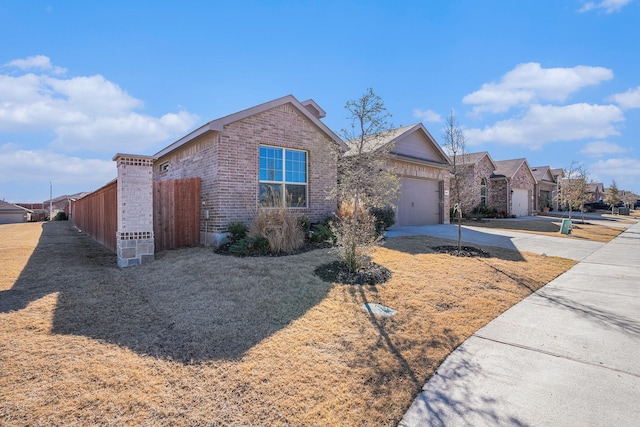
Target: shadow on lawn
[[423, 244], [189, 305]]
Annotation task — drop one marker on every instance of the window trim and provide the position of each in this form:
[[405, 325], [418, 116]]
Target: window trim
[[283, 184], [164, 167]]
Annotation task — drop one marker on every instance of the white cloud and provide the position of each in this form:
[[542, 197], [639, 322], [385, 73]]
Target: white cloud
[[528, 83], [427, 116], [39, 62], [124, 133], [624, 170], [609, 6], [545, 123], [31, 166], [602, 148], [628, 99], [84, 113]]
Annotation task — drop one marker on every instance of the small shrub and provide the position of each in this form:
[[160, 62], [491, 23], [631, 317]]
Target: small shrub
[[321, 233], [250, 246], [383, 217], [240, 247], [261, 246], [60, 216], [237, 231], [483, 211], [304, 223]]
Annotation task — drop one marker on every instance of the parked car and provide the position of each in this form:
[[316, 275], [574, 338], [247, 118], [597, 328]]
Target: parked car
[[594, 206], [637, 204]]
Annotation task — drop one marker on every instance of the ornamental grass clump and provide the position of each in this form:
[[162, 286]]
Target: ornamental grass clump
[[281, 228]]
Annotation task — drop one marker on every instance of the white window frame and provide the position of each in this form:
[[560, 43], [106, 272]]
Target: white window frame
[[284, 181]]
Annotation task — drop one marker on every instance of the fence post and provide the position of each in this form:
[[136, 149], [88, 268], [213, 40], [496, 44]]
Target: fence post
[[134, 237]]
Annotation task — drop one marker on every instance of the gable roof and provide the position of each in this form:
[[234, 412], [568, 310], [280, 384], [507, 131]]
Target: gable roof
[[10, 207], [509, 168], [593, 187], [377, 141], [557, 172], [475, 158], [217, 125], [543, 173]]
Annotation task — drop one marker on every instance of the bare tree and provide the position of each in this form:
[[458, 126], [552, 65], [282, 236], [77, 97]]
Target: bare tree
[[462, 181], [573, 188], [613, 195], [365, 179]]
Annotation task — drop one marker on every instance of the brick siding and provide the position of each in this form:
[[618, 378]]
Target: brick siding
[[227, 164]]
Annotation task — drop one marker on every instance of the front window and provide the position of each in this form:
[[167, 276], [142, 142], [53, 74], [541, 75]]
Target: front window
[[483, 192], [283, 177]]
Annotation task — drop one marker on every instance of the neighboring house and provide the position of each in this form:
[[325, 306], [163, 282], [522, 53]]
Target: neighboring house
[[11, 214], [595, 192], [478, 169], [61, 204], [545, 189], [558, 175], [423, 170], [512, 187], [38, 210], [279, 152]]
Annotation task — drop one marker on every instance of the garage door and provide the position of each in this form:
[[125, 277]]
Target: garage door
[[12, 218], [419, 202], [520, 202]]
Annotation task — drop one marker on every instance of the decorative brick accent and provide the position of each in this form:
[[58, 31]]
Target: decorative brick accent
[[134, 238]]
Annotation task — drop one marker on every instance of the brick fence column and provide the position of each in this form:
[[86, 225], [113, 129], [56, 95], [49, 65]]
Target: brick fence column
[[134, 237]]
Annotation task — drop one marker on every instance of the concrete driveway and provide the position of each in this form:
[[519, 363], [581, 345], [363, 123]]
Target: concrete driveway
[[568, 355], [526, 242]]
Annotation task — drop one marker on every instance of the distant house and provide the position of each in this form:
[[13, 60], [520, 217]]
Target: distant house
[[512, 187], [12, 214], [61, 204], [423, 170], [596, 192], [546, 188], [277, 152], [478, 169]]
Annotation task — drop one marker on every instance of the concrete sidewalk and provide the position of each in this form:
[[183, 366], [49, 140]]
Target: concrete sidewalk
[[568, 355]]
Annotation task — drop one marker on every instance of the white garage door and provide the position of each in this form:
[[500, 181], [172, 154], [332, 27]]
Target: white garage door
[[520, 202], [12, 218], [419, 202]]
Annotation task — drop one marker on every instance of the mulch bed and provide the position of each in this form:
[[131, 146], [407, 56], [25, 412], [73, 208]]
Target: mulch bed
[[370, 274], [309, 246], [465, 251]]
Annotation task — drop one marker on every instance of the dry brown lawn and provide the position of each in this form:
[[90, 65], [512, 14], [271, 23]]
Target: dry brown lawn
[[197, 338], [586, 231]]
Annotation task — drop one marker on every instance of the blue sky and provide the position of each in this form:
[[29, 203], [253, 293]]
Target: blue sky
[[554, 81]]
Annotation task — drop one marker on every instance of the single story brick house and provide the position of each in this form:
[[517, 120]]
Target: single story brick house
[[478, 169], [12, 214], [276, 152], [423, 169], [512, 187], [546, 188]]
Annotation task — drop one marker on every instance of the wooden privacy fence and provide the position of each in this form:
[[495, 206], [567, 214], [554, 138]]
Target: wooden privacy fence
[[176, 213], [97, 215]]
